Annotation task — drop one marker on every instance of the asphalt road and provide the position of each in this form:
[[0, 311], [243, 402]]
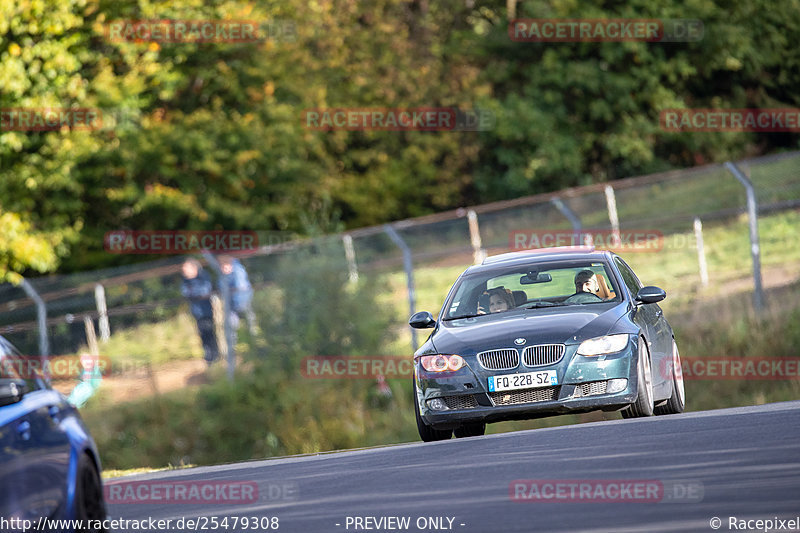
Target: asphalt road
[[742, 462]]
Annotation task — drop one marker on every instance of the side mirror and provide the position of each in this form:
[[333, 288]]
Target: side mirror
[[421, 320], [650, 294], [12, 390]]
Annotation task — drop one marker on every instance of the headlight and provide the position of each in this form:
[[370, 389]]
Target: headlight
[[616, 385], [603, 345], [441, 362], [437, 404]]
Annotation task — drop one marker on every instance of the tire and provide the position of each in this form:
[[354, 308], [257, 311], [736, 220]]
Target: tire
[[89, 502], [677, 401], [643, 406], [470, 430], [426, 432]]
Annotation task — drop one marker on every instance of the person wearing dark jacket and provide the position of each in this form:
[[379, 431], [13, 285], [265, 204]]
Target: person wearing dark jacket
[[197, 289]]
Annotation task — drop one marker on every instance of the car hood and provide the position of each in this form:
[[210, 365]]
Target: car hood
[[569, 325]]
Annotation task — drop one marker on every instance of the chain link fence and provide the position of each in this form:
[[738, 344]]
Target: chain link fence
[[109, 302]]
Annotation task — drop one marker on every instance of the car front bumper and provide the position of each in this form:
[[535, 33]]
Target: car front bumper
[[581, 387]]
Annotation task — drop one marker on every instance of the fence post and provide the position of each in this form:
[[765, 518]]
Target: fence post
[[478, 253], [611, 202], [409, 268], [102, 311], [350, 255], [752, 219], [41, 317], [574, 220], [91, 336], [230, 352], [701, 251]]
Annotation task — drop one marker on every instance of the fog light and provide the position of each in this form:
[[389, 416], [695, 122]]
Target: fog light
[[437, 404], [616, 385]]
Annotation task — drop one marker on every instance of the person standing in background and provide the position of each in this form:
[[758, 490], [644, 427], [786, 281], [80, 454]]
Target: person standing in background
[[88, 382], [197, 289], [241, 292]]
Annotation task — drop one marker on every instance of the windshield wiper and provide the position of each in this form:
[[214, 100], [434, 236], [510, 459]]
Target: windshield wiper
[[537, 305], [465, 316], [534, 305]]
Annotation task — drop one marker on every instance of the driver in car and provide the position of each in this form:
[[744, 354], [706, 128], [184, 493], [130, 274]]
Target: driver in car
[[586, 288]]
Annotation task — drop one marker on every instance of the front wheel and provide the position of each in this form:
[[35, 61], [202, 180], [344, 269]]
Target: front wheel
[[677, 401], [643, 406], [89, 502], [426, 432]]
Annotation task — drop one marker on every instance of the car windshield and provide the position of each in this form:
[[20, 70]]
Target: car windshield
[[532, 286], [17, 366]]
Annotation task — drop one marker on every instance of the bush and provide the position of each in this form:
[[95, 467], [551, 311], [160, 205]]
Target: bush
[[318, 311], [270, 409]]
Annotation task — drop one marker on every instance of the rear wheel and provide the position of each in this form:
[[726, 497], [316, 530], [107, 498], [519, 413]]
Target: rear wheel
[[643, 406], [89, 503], [470, 430], [426, 432], [677, 401]]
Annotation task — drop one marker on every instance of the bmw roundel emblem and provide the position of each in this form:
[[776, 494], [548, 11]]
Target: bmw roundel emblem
[[519, 341]]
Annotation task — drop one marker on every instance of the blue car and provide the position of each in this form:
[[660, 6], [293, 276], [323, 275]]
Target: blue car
[[49, 465]]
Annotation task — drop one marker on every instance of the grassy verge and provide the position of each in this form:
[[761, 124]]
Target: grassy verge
[[173, 339], [262, 414]]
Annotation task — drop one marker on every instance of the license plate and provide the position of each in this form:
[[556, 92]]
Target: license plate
[[528, 380]]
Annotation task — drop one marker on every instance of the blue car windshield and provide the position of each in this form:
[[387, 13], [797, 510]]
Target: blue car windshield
[[14, 365], [533, 286]]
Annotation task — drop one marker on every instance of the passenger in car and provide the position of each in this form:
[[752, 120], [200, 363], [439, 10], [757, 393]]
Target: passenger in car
[[499, 300]]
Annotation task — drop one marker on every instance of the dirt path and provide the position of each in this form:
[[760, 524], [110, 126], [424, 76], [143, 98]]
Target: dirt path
[[164, 378]]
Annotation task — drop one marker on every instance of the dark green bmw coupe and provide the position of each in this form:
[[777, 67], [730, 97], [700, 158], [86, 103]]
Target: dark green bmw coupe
[[542, 333]]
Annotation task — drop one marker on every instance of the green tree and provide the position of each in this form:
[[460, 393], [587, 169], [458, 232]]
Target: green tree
[[211, 135], [577, 113]]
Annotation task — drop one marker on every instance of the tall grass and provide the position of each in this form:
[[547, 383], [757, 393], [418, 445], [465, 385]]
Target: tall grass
[[260, 414]]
